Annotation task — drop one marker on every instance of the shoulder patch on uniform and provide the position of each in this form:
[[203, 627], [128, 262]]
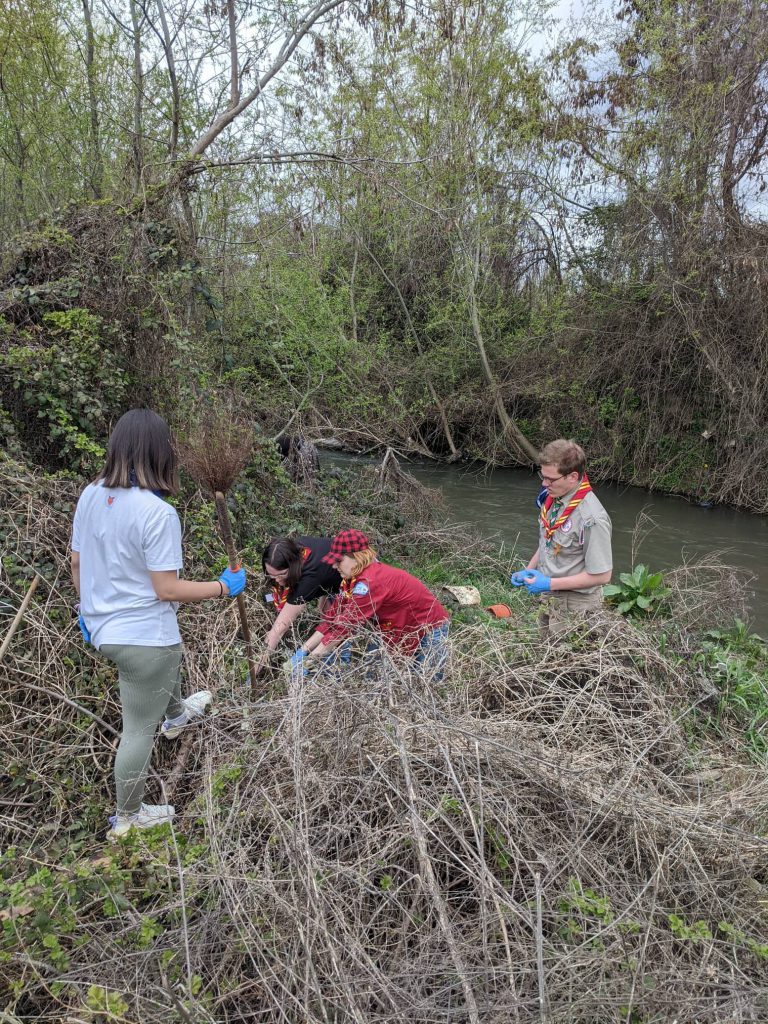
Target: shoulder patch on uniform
[[360, 589]]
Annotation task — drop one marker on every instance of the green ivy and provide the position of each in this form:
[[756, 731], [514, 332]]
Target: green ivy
[[62, 386], [105, 1003]]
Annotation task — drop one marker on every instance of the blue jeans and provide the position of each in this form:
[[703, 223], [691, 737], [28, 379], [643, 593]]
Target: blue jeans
[[341, 655], [430, 655], [330, 664], [432, 652]]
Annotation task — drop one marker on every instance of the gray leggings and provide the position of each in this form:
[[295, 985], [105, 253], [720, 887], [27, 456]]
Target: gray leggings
[[150, 687]]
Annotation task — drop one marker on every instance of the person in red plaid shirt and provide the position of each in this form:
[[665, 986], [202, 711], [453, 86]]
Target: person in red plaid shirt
[[409, 618]]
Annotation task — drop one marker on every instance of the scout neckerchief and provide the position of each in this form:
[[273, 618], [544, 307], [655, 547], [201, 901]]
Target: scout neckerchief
[[280, 594], [345, 593], [551, 524], [347, 586]]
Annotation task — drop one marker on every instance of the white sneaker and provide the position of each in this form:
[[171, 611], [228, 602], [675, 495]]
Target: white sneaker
[[194, 709], [148, 816]]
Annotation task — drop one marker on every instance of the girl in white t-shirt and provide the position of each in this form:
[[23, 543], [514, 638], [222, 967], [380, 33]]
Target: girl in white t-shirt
[[126, 557]]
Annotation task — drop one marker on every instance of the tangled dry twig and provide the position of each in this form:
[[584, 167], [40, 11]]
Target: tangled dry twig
[[534, 839]]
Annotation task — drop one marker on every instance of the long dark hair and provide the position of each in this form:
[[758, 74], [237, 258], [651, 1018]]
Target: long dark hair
[[141, 452], [283, 553]]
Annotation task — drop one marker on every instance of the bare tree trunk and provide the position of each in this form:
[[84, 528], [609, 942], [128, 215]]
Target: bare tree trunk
[[455, 453], [20, 168], [352, 280], [509, 427], [96, 174], [239, 103], [18, 165], [173, 142], [234, 69], [138, 101]]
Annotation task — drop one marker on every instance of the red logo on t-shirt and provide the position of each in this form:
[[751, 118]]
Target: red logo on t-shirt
[[111, 499]]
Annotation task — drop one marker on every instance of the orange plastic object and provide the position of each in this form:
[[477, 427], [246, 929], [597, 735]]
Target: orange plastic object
[[499, 611]]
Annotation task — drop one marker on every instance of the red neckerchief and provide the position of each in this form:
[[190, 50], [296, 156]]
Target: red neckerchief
[[551, 527], [280, 594]]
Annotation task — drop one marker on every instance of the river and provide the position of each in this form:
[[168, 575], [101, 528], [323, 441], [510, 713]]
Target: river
[[663, 531]]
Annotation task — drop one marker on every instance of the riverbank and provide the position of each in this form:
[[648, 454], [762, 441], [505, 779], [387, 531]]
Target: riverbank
[[385, 849], [660, 531], [89, 356]]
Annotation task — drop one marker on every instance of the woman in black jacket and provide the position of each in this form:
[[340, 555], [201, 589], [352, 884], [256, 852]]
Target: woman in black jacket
[[297, 574]]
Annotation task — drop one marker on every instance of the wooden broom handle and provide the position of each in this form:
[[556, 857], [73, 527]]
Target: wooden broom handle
[[229, 544], [19, 615]]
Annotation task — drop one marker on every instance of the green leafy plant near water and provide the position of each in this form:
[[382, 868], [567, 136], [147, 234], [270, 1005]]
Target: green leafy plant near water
[[736, 661], [638, 594]]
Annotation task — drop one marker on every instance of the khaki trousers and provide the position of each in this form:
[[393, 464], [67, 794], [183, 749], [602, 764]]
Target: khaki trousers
[[561, 608]]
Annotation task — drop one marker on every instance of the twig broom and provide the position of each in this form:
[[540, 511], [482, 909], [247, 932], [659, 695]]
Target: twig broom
[[214, 454]]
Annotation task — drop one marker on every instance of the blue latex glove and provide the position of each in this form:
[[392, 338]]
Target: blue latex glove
[[83, 629], [233, 580], [297, 663], [296, 659], [536, 582], [518, 578]]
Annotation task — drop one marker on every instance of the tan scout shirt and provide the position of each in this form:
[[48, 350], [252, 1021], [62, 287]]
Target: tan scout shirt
[[582, 544]]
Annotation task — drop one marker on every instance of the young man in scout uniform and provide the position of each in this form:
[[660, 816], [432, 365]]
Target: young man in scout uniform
[[573, 560]]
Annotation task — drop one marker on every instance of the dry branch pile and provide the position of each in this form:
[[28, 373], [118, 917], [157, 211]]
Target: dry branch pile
[[416, 501], [531, 840]]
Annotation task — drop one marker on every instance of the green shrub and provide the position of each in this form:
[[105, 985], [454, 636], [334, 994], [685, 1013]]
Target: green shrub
[[638, 593], [60, 387], [736, 661]]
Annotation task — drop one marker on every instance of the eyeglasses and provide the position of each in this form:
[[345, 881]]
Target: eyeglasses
[[550, 479], [281, 574]]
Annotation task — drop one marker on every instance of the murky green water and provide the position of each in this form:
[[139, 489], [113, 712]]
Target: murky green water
[[501, 503]]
